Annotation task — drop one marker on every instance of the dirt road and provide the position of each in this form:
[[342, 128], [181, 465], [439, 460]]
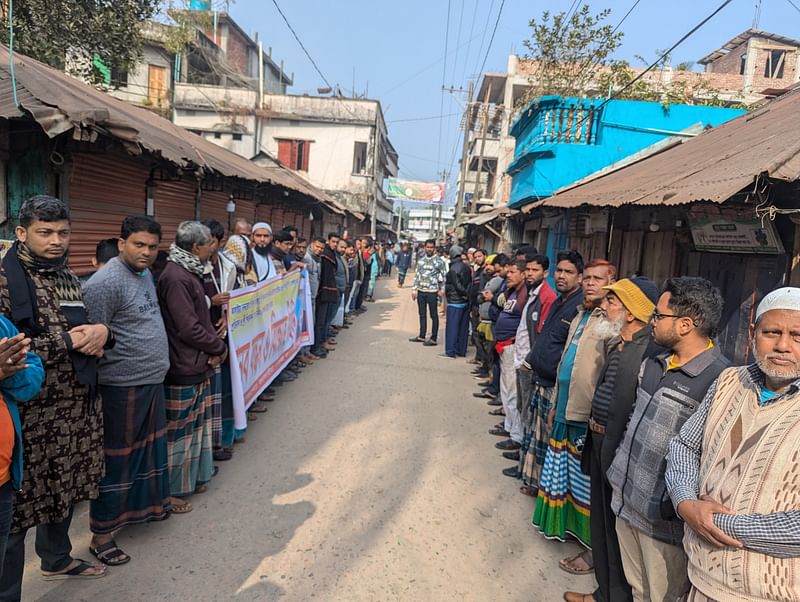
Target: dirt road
[[372, 477]]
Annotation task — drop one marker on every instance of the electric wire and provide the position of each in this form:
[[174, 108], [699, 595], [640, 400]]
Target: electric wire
[[653, 65], [469, 42], [444, 78], [483, 38], [430, 118], [302, 46], [797, 8], [491, 39]]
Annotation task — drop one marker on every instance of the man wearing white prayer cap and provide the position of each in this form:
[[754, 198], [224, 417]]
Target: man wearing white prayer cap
[[733, 472], [262, 250]]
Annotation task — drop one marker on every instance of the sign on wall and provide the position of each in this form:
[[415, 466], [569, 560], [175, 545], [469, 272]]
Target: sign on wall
[[733, 231]]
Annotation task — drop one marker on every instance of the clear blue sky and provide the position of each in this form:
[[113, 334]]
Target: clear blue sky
[[396, 50]]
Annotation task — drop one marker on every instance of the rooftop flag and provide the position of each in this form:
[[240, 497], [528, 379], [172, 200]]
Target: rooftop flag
[[420, 192]]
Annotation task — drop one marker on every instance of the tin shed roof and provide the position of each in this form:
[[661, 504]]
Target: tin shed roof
[[60, 103]]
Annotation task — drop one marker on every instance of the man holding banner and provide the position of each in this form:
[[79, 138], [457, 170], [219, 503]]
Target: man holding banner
[[327, 298]]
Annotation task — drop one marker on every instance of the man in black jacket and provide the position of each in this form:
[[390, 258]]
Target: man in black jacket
[[546, 354], [476, 286], [627, 309], [456, 288], [327, 297]]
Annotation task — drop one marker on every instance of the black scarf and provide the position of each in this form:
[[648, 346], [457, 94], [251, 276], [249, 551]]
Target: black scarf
[[17, 264]]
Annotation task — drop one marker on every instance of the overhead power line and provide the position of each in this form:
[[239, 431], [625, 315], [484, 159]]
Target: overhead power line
[[305, 50], [797, 8], [657, 62], [444, 77], [491, 39], [432, 117]]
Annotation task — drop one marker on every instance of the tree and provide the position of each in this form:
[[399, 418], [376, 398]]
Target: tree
[[571, 55], [107, 32], [566, 51]]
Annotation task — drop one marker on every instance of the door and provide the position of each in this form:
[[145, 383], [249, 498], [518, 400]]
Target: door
[[156, 85]]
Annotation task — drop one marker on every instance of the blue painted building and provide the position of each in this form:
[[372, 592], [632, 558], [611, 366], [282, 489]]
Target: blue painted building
[[560, 141]]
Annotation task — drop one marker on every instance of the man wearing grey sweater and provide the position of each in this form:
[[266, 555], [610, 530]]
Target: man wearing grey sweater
[[135, 488]]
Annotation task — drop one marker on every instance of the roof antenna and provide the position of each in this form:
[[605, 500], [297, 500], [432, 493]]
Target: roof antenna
[[757, 15]]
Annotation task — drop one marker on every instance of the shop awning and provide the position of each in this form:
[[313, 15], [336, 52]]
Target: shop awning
[[713, 166], [60, 103], [484, 218]]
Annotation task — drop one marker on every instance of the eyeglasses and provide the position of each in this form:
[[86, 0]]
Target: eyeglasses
[[658, 316]]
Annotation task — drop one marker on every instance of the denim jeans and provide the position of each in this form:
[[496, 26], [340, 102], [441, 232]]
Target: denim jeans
[[427, 303]]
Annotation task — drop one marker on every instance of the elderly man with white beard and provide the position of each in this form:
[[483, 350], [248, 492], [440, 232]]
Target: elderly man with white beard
[[627, 309], [733, 470]]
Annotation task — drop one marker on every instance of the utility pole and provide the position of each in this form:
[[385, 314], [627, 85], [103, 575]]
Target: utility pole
[[439, 229], [476, 195], [464, 150]]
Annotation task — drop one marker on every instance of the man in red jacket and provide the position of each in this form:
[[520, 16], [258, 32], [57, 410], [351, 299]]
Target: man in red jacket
[[195, 350]]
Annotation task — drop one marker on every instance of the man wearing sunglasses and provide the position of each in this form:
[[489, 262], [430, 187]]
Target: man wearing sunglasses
[[671, 387]]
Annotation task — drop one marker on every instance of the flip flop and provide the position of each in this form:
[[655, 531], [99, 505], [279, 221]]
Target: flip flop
[[182, 508], [114, 552], [529, 491], [564, 565], [74, 572], [497, 412]]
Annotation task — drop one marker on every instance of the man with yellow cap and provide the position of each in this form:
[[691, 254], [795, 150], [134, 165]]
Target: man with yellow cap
[[627, 309], [733, 470]]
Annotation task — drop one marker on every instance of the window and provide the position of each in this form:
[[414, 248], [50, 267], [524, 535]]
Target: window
[[119, 78], [742, 64], [360, 158], [774, 65], [294, 153], [217, 135], [237, 136]]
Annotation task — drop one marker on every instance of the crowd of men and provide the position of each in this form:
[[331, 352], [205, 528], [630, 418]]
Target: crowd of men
[[117, 387], [676, 473]]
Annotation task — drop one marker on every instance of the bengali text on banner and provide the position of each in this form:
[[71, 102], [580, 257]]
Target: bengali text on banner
[[268, 323]]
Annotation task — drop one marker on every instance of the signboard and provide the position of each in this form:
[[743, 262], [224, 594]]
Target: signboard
[[732, 231], [419, 192], [268, 323]]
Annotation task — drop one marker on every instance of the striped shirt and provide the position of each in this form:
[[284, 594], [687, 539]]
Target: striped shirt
[[604, 392], [775, 534]]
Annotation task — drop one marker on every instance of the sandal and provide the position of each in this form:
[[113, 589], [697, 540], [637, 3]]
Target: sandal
[[258, 407], [110, 554], [181, 507], [201, 489], [497, 412], [568, 564], [76, 572], [528, 490]]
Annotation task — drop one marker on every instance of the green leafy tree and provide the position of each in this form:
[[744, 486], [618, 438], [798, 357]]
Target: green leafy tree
[[567, 50], [108, 32]]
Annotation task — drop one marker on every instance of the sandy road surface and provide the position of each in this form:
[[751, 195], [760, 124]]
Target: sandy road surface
[[372, 477]]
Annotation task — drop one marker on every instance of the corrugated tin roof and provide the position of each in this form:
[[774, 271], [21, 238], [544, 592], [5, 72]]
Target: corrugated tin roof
[[713, 166], [484, 218], [60, 103]]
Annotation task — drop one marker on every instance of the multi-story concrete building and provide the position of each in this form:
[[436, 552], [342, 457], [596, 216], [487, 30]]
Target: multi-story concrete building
[[424, 222]]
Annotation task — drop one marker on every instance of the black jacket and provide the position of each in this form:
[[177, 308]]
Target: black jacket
[[475, 287], [458, 281], [638, 349], [546, 352], [328, 292]]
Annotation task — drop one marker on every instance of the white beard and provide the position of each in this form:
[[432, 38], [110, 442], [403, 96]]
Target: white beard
[[608, 329]]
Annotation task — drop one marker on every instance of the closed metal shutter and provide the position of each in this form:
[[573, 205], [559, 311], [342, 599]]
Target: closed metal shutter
[[103, 190]]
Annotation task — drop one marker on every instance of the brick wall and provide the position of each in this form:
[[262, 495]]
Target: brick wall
[[789, 69], [731, 62], [236, 51]]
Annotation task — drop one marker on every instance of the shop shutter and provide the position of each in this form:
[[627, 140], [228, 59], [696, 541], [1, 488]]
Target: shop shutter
[[174, 204], [103, 190], [214, 205]]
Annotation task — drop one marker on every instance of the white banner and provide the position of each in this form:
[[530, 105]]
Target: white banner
[[268, 323]]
